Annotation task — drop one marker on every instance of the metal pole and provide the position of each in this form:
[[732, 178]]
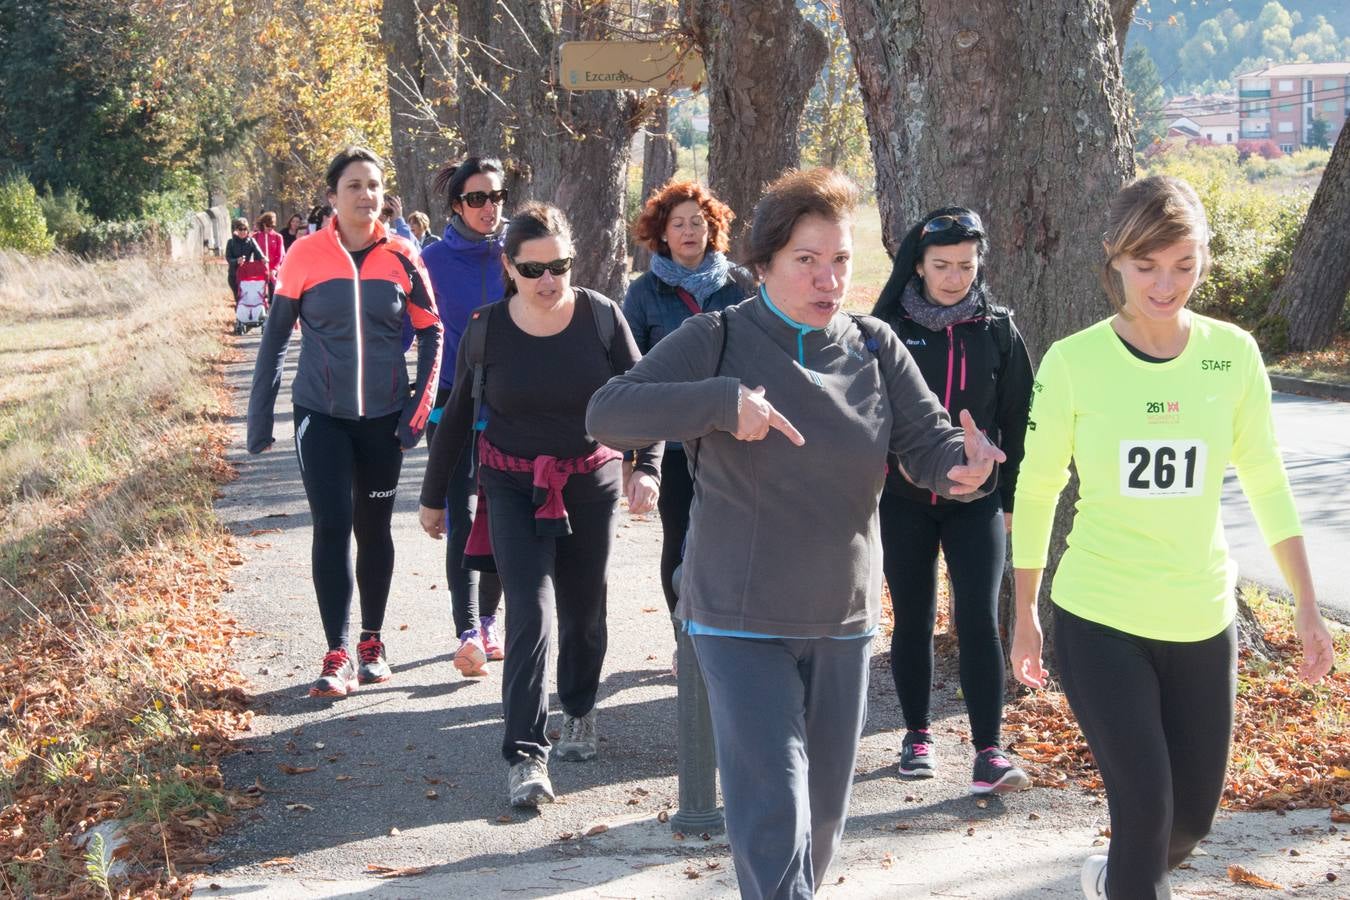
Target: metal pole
[[698, 812]]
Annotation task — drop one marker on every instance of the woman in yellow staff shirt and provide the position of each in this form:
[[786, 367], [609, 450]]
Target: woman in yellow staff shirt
[[1152, 405]]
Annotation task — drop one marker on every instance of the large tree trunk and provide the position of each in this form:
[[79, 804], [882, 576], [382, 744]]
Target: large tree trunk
[[1021, 117], [1309, 301], [762, 59], [419, 85], [1018, 115], [658, 167], [569, 148], [481, 106]]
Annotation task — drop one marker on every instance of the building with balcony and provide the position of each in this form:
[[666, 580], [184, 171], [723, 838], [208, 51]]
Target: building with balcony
[[1281, 102]]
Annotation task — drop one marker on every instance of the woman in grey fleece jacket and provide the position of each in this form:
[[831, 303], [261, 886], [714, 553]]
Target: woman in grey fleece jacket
[[790, 406]]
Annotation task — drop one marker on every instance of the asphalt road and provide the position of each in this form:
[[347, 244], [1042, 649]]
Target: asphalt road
[[409, 773], [1314, 436]]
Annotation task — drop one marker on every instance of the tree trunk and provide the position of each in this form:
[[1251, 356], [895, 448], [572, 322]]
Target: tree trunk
[[1020, 116], [658, 167], [480, 85], [753, 115], [1309, 301], [418, 87]]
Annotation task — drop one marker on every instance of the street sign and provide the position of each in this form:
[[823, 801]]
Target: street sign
[[628, 65]]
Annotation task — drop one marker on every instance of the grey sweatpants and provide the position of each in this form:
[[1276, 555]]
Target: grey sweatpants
[[787, 715]]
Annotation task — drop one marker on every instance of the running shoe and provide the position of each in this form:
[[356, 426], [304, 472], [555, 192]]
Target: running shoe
[[492, 645], [471, 657], [916, 755], [995, 774], [1093, 877], [338, 678], [374, 667], [578, 742], [527, 783]]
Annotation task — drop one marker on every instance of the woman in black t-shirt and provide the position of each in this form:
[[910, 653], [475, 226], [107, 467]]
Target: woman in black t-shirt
[[548, 493]]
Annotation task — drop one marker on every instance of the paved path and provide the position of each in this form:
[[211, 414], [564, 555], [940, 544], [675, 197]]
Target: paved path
[[377, 754], [1315, 437]]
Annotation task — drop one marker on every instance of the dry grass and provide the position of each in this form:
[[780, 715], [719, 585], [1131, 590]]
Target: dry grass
[[102, 367], [115, 697], [1331, 364]]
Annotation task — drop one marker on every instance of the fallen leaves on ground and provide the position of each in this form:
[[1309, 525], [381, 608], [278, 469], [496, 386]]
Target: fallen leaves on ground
[[380, 871], [1239, 875], [1288, 751]]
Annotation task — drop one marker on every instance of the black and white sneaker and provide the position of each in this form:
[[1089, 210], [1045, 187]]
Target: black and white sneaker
[[1093, 877], [995, 774], [528, 784], [916, 755]]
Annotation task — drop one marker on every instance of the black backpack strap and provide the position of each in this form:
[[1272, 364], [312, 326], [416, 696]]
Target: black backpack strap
[[1000, 322], [717, 370], [604, 313]]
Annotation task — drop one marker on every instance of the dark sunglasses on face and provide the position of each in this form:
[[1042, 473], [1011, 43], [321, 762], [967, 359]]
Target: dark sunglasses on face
[[476, 199], [942, 223], [534, 270]]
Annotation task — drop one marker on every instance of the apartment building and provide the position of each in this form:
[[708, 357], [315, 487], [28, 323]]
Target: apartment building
[[1281, 102]]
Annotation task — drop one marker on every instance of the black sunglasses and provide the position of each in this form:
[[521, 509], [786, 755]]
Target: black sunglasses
[[942, 223], [533, 270], [476, 199]]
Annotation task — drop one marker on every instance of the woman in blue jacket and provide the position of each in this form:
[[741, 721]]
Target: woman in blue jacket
[[686, 228], [466, 273]]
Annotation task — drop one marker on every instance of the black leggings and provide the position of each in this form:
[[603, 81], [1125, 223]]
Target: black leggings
[[540, 574], [677, 494], [350, 468], [1158, 716], [472, 594], [971, 536]]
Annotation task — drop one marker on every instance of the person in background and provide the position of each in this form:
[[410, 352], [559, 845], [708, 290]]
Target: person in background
[[551, 490], [794, 405], [356, 411], [319, 216], [391, 214], [687, 230], [295, 227], [420, 225], [272, 244], [1151, 405], [972, 357], [466, 274], [241, 247]]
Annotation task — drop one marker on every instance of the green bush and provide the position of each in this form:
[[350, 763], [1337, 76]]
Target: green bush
[[22, 225], [67, 215], [1252, 229], [114, 240]]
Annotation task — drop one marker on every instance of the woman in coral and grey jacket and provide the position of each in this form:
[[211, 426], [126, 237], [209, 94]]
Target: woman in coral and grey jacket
[[352, 284]]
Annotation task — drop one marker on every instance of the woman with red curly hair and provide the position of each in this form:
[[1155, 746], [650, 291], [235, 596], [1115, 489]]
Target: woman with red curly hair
[[686, 228]]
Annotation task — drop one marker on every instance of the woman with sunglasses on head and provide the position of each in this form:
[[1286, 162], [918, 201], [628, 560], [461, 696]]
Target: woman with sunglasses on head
[[686, 228], [1151, 406], [352, 284], [466, 273], [973, 358], [551, 491]]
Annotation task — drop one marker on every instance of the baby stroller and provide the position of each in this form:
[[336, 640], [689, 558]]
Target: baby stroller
[[250, 309]]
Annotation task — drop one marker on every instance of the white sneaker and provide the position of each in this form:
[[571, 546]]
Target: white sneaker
[[470, 658], [527, 783], [1093, 877]]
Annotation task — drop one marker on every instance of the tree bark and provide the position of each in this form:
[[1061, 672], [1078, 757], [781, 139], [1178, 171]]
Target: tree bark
[[419, 85], [1020, 116], [753, 115], [1122, 14], [658, 167], [481, 108], [569, 148], [1309, 301]]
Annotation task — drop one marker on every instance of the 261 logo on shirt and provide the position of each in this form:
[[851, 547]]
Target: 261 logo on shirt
[[1162, 412]]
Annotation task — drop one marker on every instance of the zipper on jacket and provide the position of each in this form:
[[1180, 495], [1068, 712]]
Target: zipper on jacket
[[963, 364], [360, 335]]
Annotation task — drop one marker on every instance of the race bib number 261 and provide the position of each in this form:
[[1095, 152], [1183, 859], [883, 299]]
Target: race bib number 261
[[1162, 468]]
